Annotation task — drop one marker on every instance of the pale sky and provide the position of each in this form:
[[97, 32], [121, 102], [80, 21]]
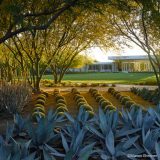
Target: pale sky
[[102, 55]]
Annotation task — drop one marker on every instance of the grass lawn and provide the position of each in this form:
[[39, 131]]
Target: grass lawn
[[119, 78]]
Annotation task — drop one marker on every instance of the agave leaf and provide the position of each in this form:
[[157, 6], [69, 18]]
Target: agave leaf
[[53, 151], [130, 142], [109, 141], [9, 131], [47, 156], [79, 139], [157, 147], [95, 131], [148, 122], [127, 132], [139, 118], [105, 157], [115, 119], [69, 155], [30, 157], [86, 151], [149, 153], [65, 144], [69, 117], [102, 121]]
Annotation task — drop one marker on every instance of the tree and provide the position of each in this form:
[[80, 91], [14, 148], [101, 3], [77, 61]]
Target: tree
[[81, 32], [18, 16], [138, 24]]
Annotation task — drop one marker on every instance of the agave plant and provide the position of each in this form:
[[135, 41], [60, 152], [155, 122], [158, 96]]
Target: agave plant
[[15, 150]]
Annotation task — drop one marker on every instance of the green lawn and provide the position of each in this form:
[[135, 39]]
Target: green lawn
[[119, 78]]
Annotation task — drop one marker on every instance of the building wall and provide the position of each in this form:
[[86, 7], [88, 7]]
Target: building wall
[[126, 66]]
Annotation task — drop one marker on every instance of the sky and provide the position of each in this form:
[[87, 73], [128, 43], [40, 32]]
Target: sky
[[102, 55]]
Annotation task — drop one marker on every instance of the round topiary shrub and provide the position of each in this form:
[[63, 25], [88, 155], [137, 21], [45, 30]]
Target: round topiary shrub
[[87, 107], [40, 101], [125, 99], [73, 90], [110, 107], [59, 97], [94, 93], [40, 109], [81, 104], [90, 90], [45, 93], [77, 96], [80, 100], [136, 106], [41, 97], [98, 98], [38, 114], [101, 100], [77, 92], [115, 93], [118, 95], [98, 94], [110, 89], [62, 109], [91, 114], [61, 101], [129, 103], [60, 105], [104, 104], [60, 114], [39, 105]]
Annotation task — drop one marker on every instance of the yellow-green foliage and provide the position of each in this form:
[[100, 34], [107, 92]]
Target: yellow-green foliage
[[81, 100], [39, 105], [59, 97], [60, 114], [81, 104], [129, 103], [40, 101], [41, 96], [62, 109], [40, 109], [60, 105], [38, 114], [91, 114], [61, 101]]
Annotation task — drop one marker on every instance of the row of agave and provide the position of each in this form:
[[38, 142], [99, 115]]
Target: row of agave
[[39, 107], [124, 100], [146, 94], [103, 102], [81, 102], [61, 105], [106, 136]]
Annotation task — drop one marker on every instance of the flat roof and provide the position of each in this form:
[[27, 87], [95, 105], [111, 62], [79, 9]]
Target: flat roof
[[134, 57], [97, 63]]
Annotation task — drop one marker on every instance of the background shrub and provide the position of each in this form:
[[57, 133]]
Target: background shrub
[[13, 97]]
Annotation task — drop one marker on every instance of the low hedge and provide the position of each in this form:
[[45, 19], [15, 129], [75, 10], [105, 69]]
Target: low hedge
[[110, 89], [110, 107], [91, 114], [128, 104], [61, 105], [62, 109], [61, 101], [40, 101], [38, 114], [125, 99], [39, 105], [40, 109], [81, 100], [105, 103], [59, 97]]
